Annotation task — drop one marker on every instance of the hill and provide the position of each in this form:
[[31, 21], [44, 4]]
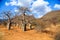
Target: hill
[[53, 16], [49, 22]]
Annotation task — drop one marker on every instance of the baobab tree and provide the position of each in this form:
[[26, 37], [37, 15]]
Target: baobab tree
[[24, 10], [8, 15]]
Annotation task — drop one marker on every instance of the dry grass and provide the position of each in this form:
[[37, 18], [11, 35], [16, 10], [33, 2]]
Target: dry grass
[[57, 36], [17, 34], [1, 36]]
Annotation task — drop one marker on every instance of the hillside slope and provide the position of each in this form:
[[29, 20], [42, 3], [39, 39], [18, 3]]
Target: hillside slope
[[49, 22], [52, 16]]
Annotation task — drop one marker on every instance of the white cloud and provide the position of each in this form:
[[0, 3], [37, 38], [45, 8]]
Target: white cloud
[[16, 10], [39, 7], [39, 2], [57, 6], [38, 15], [12, 2], [25, 3], [48, 9], [7, 4]]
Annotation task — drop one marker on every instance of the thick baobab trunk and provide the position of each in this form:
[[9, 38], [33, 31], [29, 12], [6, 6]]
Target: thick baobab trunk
[[8, 25], [31, 26], [24, 27], [24, 22]]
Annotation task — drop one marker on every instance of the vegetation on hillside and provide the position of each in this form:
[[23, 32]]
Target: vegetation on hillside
[[46, 22]]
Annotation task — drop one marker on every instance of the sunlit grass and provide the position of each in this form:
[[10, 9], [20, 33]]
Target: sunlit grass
[[1, 36]]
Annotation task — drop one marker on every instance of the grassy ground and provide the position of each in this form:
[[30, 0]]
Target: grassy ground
[[17, 34]]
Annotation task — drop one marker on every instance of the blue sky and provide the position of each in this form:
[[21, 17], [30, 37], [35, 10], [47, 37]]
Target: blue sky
[[38, 7]]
